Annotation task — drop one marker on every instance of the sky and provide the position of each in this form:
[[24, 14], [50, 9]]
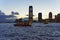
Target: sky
[[22, 6]]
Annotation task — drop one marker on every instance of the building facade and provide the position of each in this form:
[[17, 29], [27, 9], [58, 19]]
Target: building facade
[[39, 17], [50, 16], [30, 14]]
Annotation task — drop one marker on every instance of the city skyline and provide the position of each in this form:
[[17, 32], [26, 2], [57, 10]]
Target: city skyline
[[21, 6]]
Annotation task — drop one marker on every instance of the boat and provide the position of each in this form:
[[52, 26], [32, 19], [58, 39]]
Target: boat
[[22, 24]]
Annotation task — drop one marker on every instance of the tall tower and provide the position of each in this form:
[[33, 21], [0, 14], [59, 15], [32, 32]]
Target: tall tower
[[30, 15], [50, 16], [39, 17], [58, 18]]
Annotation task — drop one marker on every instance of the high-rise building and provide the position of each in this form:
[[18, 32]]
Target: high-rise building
[[50, 16], [55, 18], [30, 14], [58, 18], [39, 17]]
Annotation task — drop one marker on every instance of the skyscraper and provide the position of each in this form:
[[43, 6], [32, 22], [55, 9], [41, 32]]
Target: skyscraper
[[30, 14], [50, 16], [58, 18], [39, 17]]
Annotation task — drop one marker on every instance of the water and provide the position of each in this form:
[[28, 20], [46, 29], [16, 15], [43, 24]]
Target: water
[[37, 31]]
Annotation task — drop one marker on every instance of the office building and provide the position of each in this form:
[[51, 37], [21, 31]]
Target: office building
[[30, 14], [39, 17], [57, 18], [50, 16]]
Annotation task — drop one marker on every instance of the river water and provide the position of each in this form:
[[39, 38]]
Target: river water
[[37, 31]]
